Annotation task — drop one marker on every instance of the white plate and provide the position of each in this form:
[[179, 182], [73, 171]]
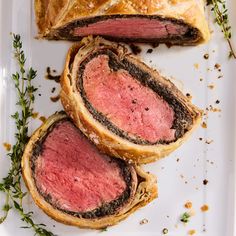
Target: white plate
[[198, 160]]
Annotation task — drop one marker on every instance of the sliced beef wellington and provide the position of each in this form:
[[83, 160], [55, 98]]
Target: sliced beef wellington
[[126, 108], [76, 184], [158, 21]]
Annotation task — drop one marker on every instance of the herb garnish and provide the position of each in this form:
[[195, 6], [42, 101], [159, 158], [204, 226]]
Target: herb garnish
[[185, 217], [222, 19], [11, 184], [103, 229]]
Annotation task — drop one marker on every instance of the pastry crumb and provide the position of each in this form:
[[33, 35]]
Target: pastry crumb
[[217, 67], [43, 119], [188, 205], [204, 125], [192, 212], [214, 109], [204, 208], [211, 86], [191, 232], [7, 146], [209, 141], [143, 221], [196, 66], [35, 115]]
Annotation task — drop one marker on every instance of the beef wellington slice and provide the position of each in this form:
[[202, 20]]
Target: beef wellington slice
[[76, 184], [157, 21], [126, 108]]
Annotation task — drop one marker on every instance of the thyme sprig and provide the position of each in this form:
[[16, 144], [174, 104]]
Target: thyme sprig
[[11, 184], [222, 19], [185, 217]]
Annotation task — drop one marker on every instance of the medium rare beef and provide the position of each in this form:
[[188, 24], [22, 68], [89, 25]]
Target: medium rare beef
[[131, 107], [122, 105], [75, 183], [73, 176], [159, 21]]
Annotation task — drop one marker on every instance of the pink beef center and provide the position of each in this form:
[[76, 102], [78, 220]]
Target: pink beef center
[[128, 104], [74, 174], [132, 28]]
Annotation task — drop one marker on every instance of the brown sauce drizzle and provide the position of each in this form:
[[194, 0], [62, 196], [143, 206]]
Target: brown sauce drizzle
[[51, 76], [55, 98]]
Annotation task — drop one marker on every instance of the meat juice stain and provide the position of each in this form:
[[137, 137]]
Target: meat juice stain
[[51, 76]]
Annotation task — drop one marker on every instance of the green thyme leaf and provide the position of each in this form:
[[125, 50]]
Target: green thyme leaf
[[11, 184], [185, 217], [103, 229], [222, 19]]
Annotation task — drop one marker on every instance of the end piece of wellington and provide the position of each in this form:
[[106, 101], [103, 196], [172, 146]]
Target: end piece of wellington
[[179, 22], [71, 181], [126, 108]]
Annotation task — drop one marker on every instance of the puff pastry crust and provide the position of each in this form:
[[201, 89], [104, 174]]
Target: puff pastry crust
[[106, 140], [53, 16], [145, 192]]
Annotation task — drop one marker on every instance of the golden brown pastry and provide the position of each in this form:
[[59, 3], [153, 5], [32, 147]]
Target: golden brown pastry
[[77, 185], [126, 108], [157, 21]]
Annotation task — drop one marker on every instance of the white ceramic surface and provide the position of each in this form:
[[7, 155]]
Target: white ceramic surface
[[178, 182]]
